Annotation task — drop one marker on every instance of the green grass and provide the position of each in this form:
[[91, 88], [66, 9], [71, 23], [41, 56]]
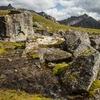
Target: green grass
[[4, 12], [54, 27], [19, 95], [8, 47], [11, 45]]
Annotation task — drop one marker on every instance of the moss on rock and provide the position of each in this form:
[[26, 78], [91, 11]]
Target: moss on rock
[[95, 85], [59, 68], [3, 51]]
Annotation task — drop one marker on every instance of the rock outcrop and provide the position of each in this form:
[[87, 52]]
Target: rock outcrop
[[53, 55], [48, 17], [81, 73], [77, 42], [95, 41], [17, 26]]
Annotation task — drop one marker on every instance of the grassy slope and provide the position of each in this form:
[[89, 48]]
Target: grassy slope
[[54, 26]]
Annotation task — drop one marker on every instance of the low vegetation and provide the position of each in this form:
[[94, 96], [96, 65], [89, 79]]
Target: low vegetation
[[4, 12], [95, 85], [59, 68], [8, 47], [19, 95], [54, 27]]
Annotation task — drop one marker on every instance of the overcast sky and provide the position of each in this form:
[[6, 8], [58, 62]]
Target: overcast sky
[[60, 9]]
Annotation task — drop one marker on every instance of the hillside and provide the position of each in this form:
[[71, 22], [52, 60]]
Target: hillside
[[52, 27], [55, 26], [48, 17], [81, 21]]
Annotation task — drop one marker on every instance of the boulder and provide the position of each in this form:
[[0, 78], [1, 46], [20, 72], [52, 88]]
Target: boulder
[[95, 41], [36, 24], [17, 26], [81, 73], [77, 42], [53, 55]]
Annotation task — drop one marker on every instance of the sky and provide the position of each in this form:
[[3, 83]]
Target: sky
[[60, 9]]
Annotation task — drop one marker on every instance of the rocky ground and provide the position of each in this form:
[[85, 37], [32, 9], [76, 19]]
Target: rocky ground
[[63, 67]]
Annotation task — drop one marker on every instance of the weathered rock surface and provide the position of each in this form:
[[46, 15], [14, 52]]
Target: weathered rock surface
[[95, 41], [17, 26], [81, 73], [40, 41], [48, 17], [53, 55], [36, 24], [77, 42]]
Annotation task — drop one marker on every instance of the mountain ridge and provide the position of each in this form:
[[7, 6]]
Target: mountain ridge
[[81, 21], [9, 6]]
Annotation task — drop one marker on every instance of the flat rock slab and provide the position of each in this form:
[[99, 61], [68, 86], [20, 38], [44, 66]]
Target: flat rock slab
[[53, 55]]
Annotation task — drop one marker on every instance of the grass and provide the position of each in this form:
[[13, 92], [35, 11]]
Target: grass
[[54, 27], [8, 47], [4, 12], [19, 95], [11, 44]]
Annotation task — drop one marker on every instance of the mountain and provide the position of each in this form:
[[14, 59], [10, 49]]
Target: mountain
[[81, 21], [6, 7], [48, 17]]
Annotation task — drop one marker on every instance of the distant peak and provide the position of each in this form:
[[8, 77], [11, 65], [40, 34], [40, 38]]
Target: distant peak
[[9, 5], [85, 15]]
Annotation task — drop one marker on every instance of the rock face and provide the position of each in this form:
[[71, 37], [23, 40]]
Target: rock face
[[53, 55], [17, 26], [48, 17], [77, 42], [81, 21], [95, 41], [81, 73]]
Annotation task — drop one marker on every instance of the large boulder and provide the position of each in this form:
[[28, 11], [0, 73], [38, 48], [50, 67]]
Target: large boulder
[[77, 42], [53, 55], [81, 73], [16, 26], [95, 41]]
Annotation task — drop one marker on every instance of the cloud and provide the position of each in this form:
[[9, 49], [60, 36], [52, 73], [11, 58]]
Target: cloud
[[60, 9]]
